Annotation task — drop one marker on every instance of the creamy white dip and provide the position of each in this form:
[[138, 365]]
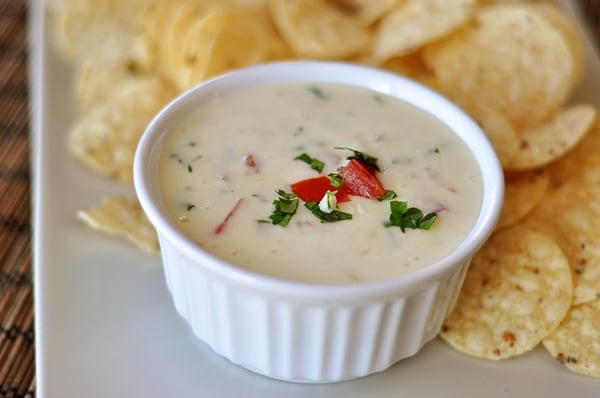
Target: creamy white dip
[[232, 155]]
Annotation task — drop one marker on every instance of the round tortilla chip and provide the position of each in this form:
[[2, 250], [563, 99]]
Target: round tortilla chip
[[106, 138], [224, 39], [569, 29], [414, 23], [122, 217], [91, 90], [177, 21], [582, 163], [570, 214], [412, 66], [512, 58], [102, 31], [197, 46], [317, 29], [542, 144], [517, 290], [576, 342], [248, 39], [522, 193], [497, 128]]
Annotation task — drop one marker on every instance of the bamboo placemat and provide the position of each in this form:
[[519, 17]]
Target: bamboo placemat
[[17, 363], [17, 368]]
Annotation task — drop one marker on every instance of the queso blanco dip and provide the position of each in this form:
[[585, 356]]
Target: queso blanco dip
[[220, 171]]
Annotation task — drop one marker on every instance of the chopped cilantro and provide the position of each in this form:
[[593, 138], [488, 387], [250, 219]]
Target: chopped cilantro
[[318, 93], [368, 159], [176, 157], [179, 159], [285, 208], [336, 180], [190, 206], [334, 216], [404, 217], [389, 194], [314, 164]]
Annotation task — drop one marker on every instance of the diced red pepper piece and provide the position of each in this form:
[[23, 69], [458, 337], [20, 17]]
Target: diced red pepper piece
[[313, 189], [361, 180], [221, 227]]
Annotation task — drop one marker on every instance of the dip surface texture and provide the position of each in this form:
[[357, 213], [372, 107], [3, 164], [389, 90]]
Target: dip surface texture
[[220, 169]]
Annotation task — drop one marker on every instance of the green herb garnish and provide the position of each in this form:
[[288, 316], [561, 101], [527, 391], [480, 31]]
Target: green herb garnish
[[334, 216], [388, 195], [285, 208], [404, 217], [368, 159], [336, 180], [189, 166], [176, 157], [190, 206], [179, 159], [318, 93], [314, 164]]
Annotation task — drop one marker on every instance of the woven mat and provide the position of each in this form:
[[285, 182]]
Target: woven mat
[[17, 363], [17, 369]]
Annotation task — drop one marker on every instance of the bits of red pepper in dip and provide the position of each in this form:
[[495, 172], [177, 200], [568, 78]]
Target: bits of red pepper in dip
[[322, 183]]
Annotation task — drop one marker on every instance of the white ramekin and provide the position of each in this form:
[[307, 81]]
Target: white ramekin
[[297, 331]]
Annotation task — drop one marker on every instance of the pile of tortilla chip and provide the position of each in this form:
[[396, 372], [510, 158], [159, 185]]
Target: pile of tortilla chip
[[512, 65]]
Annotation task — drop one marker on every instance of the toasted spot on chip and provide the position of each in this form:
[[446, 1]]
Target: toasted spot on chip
[[511, 58], [414, 23], [576, 342], [542, 144], [522, 193], [123, 217], [318, 29], [517, 290]]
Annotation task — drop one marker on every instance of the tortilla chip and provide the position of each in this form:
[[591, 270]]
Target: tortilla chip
[[570, 214], [523, 192], [576, 342], [516, 292], [125, 218]]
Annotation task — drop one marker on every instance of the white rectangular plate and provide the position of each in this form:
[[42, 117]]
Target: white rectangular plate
[[105, 324]]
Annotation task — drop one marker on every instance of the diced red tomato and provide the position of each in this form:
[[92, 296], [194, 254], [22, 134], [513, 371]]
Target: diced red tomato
[[250, 163], [313, 189], [360, 180]]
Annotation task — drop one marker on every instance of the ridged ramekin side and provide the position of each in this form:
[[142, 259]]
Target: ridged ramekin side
[[303, 339]]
